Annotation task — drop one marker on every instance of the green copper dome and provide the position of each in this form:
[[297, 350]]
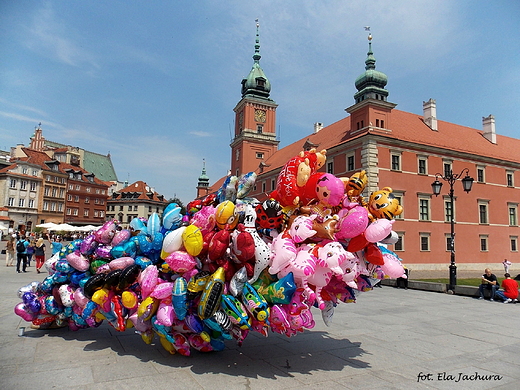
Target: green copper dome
[[371, 83], [256, 84]]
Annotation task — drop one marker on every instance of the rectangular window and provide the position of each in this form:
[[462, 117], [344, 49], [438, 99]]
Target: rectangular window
[[56, 178], [483, 213], [273, 184], [71, 187], [76, 198], [135, 208], [89, 189], [259, 129], [350, 163], [396, 162], [480, 175], [259, 155], [23, 185], [330, 167], [130, 208], [69, 211], [399, 245], [448, 210], [33, 186], [449, 242], [46, 205], [101, 214], [422, 166], [46, 191], [447, 169], [514, 243], [54, 192], [425, 242], [35, 172], [96, 201], [10, 202], [85, 213], [75, 212], [12, 183], [424, 209], [87, 199], [31, 203], [53, 206], [120, 208], [97, 190], [399, 196], [149, 209], [60, 207], [24, 171], [513, 220], [69, 197], [78, 187], [21, 202], [263, 186], [483, 243], [509, 179], [62, 192]]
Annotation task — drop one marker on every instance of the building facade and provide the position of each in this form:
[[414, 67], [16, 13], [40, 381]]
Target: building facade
[[408, 152], [20, 191], [133, 201], [51, 202]]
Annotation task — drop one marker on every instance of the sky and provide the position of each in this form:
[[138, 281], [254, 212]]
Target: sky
[[154, 83]]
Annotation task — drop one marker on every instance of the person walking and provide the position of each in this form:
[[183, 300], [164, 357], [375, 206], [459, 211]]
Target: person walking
[[506, 263], [30, 251], [21, 254], [9, 252], [510, 287], [39, 253], [56, 244]]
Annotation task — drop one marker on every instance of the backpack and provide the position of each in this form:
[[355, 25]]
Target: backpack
[[20, 246]]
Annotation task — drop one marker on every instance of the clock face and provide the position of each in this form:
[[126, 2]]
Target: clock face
[[259, 115]]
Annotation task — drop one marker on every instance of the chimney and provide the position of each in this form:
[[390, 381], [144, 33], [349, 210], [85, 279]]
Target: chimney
[[430, 114], [488, 123], [318, 126]]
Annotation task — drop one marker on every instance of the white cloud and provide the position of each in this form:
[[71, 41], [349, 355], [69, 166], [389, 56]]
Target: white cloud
[[52, 38]]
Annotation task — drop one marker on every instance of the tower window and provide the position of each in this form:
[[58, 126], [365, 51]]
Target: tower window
[[259, 129], [259, 155], [382, 123]]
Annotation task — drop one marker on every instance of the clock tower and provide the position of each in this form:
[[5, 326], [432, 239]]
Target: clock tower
[[255, 120]]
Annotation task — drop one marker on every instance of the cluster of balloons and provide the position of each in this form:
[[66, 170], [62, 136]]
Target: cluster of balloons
[[229, 266]]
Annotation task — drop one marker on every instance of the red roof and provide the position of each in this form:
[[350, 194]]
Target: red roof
[[406, 127], [143, 189]]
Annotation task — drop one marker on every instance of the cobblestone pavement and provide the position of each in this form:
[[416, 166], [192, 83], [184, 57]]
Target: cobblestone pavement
[[390, 339]]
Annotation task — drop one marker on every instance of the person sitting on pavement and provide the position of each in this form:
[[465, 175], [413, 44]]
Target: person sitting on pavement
[[489, 282], [510, 292]]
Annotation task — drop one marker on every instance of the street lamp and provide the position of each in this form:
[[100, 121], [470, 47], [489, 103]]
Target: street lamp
[[467, 182]]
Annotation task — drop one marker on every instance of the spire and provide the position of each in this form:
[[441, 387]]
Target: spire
[[256, 84], [203, 178], [371, 83]]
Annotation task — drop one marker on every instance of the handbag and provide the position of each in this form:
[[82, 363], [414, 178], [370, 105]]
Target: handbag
[[3, 251]]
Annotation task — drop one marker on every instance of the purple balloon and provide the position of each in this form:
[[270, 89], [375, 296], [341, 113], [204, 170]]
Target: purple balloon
[[103, 251], [88, 245]]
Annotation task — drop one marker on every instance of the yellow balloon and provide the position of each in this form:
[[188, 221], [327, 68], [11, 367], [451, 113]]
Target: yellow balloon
[[192, 239], [147, 336], [100, 296], [167, 345], [226, 214], [129, 299], [147, 308]]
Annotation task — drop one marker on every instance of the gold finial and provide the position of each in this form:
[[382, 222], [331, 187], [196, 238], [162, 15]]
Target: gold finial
[[367, 28]]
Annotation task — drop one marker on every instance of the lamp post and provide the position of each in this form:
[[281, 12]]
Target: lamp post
[[467, 182]]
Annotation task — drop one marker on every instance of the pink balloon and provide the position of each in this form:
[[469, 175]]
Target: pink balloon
[[378, 230], [162, 290], [121, 263], [78, 261], [22, 310], [392, 267], [180, 261]]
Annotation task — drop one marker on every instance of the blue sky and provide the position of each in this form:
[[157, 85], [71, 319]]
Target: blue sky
[[155, 82]]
